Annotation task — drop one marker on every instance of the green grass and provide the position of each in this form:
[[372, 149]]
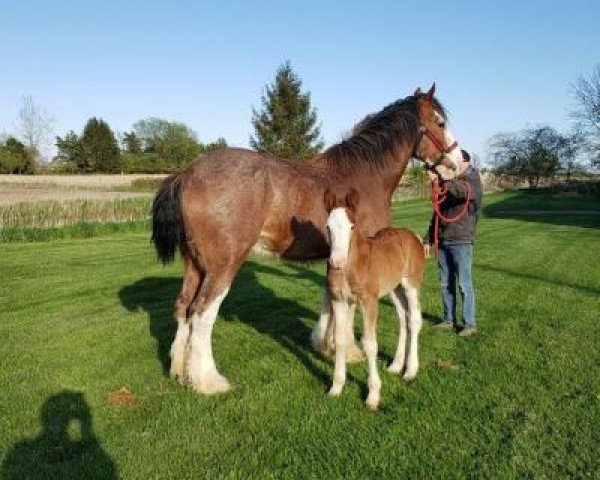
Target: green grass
[[81, 318]]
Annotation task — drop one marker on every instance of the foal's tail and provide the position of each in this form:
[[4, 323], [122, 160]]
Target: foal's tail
[[167, 225]]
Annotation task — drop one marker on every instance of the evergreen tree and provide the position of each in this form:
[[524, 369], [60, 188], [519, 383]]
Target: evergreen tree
[[70, 153], [100, 147], [287, 126]]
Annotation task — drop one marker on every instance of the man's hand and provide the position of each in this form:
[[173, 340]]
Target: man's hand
[[427, 249], [433, 176]]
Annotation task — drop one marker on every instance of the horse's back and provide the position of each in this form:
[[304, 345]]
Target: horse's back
[[225, 195]]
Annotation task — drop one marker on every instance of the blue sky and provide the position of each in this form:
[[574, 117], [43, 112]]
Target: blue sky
[[499, 66]]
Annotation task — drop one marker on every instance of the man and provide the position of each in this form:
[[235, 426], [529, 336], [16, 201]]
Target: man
[[456, 240]]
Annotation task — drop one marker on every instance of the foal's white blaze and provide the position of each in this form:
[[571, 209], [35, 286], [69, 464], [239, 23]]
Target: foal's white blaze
[[340, 229]]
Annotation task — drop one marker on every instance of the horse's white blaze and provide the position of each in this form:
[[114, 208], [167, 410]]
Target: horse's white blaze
[[455, 156], [340, 228], [202, 370]]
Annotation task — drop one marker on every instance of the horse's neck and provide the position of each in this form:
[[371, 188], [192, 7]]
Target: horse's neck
[[390, 174], [358, 253]]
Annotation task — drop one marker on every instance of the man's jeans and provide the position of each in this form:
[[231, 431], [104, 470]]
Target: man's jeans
[[454, 262]]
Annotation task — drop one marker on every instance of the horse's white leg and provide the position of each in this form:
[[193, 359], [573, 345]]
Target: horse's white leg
[[202, 370], [340, 316], [321, 337], [179, 349], [399, 300], [414, 326], [369, 342]]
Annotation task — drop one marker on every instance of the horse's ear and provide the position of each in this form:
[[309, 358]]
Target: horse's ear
[[352, 199], [329, 199], [429, 95], [417, 92]]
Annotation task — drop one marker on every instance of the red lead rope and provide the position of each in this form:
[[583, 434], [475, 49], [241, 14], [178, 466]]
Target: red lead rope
[[437, 198]]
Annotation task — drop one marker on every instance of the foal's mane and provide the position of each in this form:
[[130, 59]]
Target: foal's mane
[[373, 140]]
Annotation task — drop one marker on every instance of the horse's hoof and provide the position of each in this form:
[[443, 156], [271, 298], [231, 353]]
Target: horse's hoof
[[409, 376], [372, 404], [212, 385]]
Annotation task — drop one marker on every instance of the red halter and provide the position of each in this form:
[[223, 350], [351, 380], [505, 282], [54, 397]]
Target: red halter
[[437, 142]]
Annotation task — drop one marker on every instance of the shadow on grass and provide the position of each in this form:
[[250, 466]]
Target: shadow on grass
[[544, 206], [537, 278], [248, 301], [66, 447]]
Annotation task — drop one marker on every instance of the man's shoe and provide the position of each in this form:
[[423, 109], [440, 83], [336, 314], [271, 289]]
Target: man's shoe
[[468, 332], [445, 325]]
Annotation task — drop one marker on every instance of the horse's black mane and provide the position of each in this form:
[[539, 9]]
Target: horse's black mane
[[374, 139]]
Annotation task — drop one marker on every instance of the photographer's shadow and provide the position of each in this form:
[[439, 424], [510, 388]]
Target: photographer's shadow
[[66, 447]]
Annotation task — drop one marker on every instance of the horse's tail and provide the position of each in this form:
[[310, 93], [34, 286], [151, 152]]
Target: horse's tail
[[168, 231]]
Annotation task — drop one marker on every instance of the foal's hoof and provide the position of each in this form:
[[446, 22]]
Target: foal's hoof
[[395, 367], [335, 391], [372, 404], [354, 354]]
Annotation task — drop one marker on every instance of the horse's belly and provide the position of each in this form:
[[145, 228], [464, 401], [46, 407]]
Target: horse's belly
[[264, 246]]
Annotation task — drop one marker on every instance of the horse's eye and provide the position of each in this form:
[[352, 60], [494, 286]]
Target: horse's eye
[[442, 125]]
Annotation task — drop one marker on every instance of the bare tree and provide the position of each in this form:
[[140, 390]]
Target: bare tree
[[587, 113], [36, 125]]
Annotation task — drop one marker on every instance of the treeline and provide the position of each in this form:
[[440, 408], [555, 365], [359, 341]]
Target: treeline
[[540, 153], [286, 126], [154, 145]]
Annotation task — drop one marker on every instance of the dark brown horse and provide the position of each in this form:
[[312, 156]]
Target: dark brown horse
[[233, 200]]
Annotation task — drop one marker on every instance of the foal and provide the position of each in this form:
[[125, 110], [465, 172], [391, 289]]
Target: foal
[[362, 270]]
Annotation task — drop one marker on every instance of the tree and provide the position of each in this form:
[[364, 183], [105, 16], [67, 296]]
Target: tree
[[530, 154], [15, 157], [287, 125], [218, 145], [71, 154], [174, 142], [36, 126], [587, 113], [131, 143], [99, 147]]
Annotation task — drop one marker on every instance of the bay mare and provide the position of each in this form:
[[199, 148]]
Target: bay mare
[[361, 271], [234, 200]]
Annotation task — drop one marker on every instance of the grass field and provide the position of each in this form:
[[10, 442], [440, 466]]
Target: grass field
[[82, 318]]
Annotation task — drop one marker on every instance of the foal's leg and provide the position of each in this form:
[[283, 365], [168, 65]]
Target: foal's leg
[[322, 337], [414, 326], [353, 352], [191, 279], [399, 300], [340, 316], [369, 342]]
